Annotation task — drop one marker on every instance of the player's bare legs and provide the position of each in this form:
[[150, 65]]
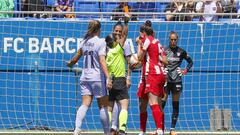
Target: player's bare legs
[[143, 115]]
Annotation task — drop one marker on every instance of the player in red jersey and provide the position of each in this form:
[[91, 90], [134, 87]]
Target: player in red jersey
[[153, 79], [143, 111]]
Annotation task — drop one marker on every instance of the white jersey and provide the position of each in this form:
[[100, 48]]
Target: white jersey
[[92, 49]]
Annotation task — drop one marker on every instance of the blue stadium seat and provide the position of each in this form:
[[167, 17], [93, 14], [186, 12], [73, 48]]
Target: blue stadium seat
[[144, 7], [160, 7], [84, 6], [51, 3], [108, 6]]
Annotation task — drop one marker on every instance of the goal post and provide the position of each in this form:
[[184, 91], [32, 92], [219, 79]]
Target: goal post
[[38, 91]]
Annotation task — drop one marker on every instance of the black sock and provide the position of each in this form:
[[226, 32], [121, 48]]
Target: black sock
[[175, 113]]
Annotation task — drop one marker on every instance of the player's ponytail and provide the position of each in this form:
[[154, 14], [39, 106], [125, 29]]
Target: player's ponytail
[[93, 27]]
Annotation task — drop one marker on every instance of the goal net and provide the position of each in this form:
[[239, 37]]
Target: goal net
[[38, 91]]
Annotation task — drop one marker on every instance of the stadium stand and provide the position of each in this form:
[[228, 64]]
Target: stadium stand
[[51, 3], [106, 6], [84, 6]]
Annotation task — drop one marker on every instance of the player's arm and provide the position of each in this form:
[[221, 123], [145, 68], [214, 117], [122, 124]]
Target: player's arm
[[129, 71], [189, 60], [142, 49], [164, 59], [189, 65], [128, 52], [103, 63], [75, 59], [125, 30], [102, 60], [163, 55]]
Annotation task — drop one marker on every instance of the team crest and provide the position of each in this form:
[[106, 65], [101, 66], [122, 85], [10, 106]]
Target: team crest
[[178, 54]]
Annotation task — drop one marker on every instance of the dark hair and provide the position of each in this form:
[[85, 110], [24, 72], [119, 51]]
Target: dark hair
[[119, 23], [148, 23], [173, 32], [109, 40], [149, 31], [93, 27], [142, 28]]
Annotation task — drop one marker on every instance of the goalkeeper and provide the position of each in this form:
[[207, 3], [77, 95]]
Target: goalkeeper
[[116, 66], [175, 56]]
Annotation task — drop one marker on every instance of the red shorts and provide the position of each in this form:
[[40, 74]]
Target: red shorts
[[141, 89], [152, 83]]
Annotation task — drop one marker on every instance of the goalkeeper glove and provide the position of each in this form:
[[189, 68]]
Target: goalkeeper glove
[[181, 72]]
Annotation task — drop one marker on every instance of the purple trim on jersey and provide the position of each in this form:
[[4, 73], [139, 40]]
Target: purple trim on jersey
[[94, 88], [92, 49]]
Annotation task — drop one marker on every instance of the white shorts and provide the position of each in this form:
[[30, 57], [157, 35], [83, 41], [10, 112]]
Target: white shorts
[[94, 88]]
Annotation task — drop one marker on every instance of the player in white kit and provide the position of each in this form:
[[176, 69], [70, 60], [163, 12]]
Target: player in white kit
[[94, 76]]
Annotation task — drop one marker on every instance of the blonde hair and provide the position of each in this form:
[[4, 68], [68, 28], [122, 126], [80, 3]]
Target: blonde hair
[[93, 27]]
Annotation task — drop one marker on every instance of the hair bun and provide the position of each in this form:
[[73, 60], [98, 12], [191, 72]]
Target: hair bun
[[148, 23]]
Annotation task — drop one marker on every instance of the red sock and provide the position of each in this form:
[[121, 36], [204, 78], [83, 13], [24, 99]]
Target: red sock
[[143, 121], [158, 116], [163, 121]]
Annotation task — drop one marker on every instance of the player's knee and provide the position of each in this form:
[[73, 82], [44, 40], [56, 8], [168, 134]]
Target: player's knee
[[103, 101], [165, 96]]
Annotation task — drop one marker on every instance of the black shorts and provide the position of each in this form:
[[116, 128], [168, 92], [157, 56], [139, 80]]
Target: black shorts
[[119, 90], [173, 87]]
